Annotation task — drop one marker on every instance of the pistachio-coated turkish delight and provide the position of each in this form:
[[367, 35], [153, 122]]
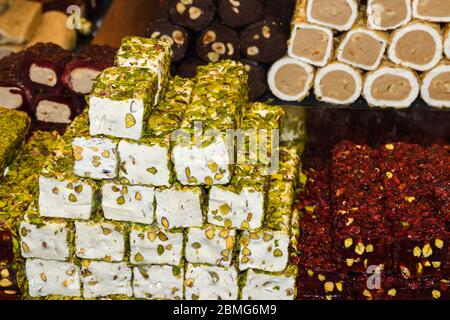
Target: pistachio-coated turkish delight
[[179, 207], [146, 162], [121, 102], [128, 203], [151, 245], [158, 282], [210, 245], [269, 286], [12, 136], [211, 283], [264, 250], [106, 279], [152, 54], [235, 206], [279, 205]]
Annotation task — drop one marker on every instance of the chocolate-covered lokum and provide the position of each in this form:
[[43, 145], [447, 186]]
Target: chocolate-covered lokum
[[217, 43], [188, 67], [262, 41], [257, 78], [195, 15], [239, 13], [13, 94], [177, 36], [44, 65], [87, 64]]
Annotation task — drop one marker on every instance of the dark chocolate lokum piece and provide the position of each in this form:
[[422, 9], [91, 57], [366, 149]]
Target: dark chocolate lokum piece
[[13, 94], [257, 75], [188, 67], [218, 42], [177, 36], [44, 64], [80, 72], [240, 13], [193, 14], [264, 41]]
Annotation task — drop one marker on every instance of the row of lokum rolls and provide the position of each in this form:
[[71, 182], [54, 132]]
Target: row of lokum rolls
[[49, 82], [388, 51], [135, 211], [203, 31], [375, 224]]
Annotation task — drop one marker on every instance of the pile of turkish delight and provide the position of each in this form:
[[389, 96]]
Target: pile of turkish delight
[[136, 201]]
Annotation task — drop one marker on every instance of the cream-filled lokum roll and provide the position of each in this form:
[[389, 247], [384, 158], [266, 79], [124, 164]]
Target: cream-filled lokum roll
[[447, 41], [338, 83], [309, 43], [417, 45], [290, 79], [388, 14], [362, 48], [336, 14], [435, 88], [391, 86], [432, 10]]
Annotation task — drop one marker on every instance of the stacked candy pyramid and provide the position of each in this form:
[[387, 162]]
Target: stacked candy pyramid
[[137, 203]]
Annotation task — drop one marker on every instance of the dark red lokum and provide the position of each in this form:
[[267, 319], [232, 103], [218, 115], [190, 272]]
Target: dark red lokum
[[8, 284], [421, 241], [13, 94], [57, 107], [362, 232], [85, 66], [43, 66], [319, 277]]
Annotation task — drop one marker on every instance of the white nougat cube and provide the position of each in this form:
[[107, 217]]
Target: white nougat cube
[[196, 164], [262, 286], [95, 158], [210, 245], [179, 207], [242, 208], [155, 246], [145, 164], [211, 283], [128, 203], [64, 199], [103, 279], [264, 250], [99, 241], [47, 241], [52, 278], [158, 282], [114, 117]]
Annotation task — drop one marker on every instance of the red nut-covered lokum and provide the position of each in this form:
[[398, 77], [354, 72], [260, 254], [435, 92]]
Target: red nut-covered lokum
[[362, 233], [421, 241], [319, 277]]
